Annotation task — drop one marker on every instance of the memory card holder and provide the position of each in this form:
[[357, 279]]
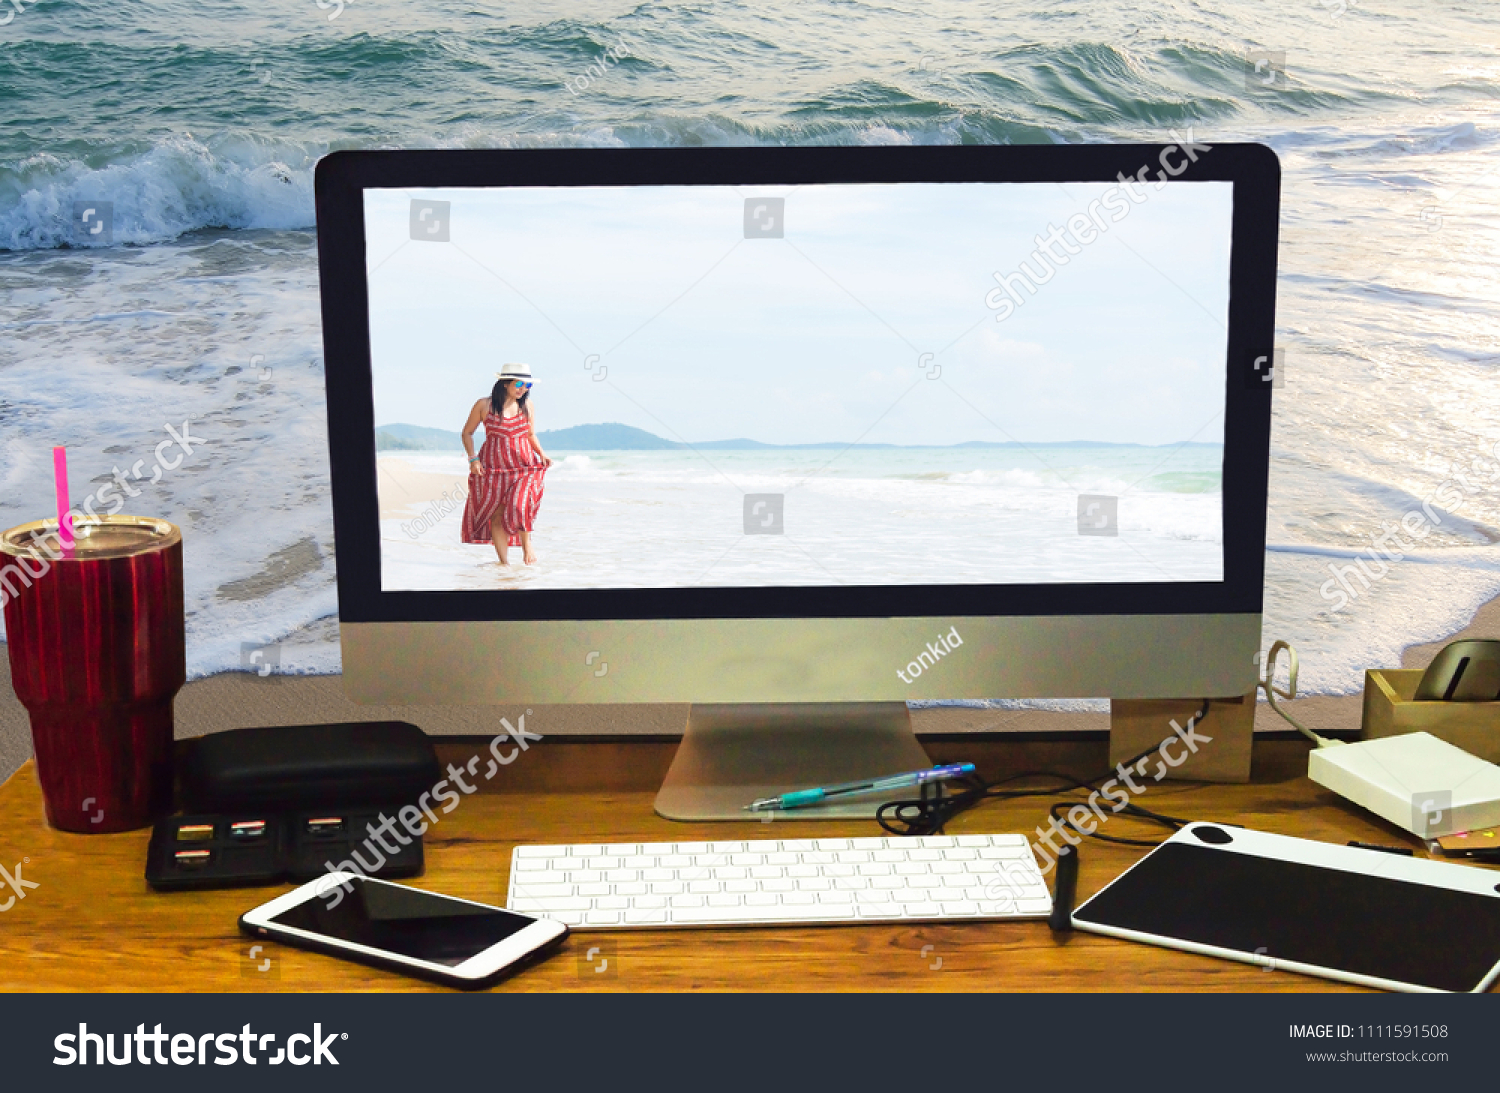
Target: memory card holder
[[227, 851]]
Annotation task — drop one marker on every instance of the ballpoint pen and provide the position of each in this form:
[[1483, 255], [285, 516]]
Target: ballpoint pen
[[803, 797]]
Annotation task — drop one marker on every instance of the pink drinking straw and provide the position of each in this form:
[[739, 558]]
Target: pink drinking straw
[[60, 480]]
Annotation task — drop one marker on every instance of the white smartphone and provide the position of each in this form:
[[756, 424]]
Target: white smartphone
[[454, 941]]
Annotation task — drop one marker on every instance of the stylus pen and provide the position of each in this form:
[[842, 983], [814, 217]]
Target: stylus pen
[[803, 797]]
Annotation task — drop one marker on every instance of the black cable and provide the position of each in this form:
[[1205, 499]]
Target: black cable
[[930, 814]]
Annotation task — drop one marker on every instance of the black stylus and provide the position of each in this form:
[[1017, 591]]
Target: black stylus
[[1065, 889]]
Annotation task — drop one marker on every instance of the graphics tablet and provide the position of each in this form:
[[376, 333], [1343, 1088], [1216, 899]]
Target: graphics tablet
[[1362, 916]]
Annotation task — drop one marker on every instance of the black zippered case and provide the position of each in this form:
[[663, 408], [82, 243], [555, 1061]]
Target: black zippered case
[[289, 768]]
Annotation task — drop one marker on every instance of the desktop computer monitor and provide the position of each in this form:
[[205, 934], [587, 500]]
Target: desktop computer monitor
[[813, 432]]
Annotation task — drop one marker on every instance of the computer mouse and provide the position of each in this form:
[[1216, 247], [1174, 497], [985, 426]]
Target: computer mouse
[[1465, 671]]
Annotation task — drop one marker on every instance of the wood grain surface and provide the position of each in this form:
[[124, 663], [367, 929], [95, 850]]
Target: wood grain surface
[[91, 924]]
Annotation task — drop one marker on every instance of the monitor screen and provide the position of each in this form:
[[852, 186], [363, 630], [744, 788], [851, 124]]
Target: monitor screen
[[983, 383]]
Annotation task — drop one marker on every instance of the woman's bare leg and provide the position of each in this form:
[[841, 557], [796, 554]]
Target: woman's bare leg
[[528, 554], [500, 537]]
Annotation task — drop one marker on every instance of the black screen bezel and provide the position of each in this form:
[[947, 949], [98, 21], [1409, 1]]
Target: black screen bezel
[[342, 177]]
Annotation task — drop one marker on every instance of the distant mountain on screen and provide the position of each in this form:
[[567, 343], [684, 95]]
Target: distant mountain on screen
[[615, 437], [416, 438]]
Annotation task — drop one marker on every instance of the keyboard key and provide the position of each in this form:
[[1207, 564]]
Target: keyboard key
[[866, 844], [814, 884], [601, 918], [793, 871], [875, 869], [685, 901], [741, 886], [973, 840], [785, 884], [816, 857], [922, 910], [888, 855], [940, 842], [620, 849], [853, 857], [925, 855], [797, 844], [532, 865], [564, 864], [781, 859], [666, 887], [543, 891], [833, 844], [762, 846], [648, 902], [771, 872], [690, 848], [873, 897], [960, 908], [888, 884], [798, 899], [747, 859], [658, 874], [940, 868], [585, 876], [541, 906], [676, 861], [644, 918], [724, 899], [879, 910], [611, 903], [745, 914], [534, 851], [724, 848], [593, 889], [637, 861], [585, 850], [854, 884], [633, 888], [703, 887], [761, 899], [730, 872], [618, 876], [959, 854], [658, 848]]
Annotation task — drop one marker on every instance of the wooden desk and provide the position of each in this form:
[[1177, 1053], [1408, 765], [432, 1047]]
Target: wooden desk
[[93, 925]]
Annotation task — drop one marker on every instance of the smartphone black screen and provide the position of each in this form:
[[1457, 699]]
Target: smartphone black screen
[[1409, 933], [397, 919]]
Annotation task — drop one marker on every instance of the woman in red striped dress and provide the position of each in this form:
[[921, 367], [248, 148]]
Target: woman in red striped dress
[[505, 478]]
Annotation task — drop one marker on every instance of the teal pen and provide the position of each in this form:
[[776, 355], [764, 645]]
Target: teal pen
[[803, 797]]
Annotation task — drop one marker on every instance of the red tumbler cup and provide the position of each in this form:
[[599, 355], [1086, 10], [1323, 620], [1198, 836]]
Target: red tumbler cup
[[97, 654]]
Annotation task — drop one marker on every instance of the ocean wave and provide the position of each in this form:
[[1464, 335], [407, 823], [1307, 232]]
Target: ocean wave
[[176, 186]]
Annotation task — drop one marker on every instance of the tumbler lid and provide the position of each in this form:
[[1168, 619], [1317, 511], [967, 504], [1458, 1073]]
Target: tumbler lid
[[93, 537]]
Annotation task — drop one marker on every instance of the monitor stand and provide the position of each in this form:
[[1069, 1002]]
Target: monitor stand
[[732, 754]]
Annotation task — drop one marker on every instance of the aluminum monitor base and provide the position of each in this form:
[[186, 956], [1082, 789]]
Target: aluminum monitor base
[[732, 754]]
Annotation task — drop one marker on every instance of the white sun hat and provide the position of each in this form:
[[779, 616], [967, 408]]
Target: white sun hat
[[514, 372]]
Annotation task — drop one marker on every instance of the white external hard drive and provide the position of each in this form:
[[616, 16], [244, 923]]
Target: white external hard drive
[[1416, 781]]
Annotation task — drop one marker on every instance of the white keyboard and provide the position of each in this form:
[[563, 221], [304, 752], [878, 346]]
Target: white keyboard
[[780, 882]]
